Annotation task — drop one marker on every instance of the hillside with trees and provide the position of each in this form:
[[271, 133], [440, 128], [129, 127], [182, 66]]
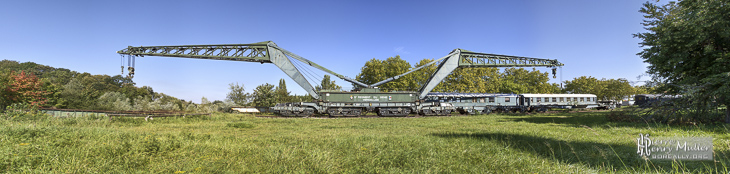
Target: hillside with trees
[[45, 86]]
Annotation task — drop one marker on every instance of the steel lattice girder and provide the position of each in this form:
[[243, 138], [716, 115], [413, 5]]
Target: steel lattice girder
[[256, 52], [474, 59]]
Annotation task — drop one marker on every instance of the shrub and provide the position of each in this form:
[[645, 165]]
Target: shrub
[[22, 112], [241, 125]]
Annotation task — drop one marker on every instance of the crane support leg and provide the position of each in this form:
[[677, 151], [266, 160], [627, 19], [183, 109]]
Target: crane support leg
[[280, 60], [449, 65]]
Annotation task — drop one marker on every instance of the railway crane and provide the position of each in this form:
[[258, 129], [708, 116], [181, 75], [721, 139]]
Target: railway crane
[[340, 103]]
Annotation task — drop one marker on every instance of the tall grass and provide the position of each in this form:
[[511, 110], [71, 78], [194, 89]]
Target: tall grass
[[230, 143]]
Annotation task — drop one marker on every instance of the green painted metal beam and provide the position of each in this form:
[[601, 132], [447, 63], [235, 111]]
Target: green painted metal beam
[[475, 59], [256, 52], [460, 58]]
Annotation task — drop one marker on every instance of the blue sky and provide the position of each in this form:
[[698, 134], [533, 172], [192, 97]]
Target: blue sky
[[592, 38]]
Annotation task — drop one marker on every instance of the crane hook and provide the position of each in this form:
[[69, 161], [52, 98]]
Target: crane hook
[[554, 70]]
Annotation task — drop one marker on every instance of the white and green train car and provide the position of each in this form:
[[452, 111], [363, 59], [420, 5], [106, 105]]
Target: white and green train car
[[478, 103], [542, 102], [484, 103]]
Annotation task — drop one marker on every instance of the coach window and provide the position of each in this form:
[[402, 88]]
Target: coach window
[[506, 99], [491, 99], [547, 99], [538, 99], [575, 99], [555, 99], [581, 99]]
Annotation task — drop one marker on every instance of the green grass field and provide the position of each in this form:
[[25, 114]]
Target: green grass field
[[235, 143]]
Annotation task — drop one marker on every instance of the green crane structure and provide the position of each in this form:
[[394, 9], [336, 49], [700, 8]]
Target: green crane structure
[[263, 52], [397, 104], [269, 52], [465, 59]]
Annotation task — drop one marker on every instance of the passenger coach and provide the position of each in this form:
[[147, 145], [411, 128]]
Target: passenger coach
[[542, 102]]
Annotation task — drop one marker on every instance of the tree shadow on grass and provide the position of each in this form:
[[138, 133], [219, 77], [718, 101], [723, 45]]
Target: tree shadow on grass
[[606, 157], [574, 118], [598, 119]]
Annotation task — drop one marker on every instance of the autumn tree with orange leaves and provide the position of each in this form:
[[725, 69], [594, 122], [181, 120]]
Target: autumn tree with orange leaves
[[22, 88]]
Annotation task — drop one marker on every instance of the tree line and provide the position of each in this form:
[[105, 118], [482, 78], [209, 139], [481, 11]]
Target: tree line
[[491, 80], [38, 85], [44, 86]]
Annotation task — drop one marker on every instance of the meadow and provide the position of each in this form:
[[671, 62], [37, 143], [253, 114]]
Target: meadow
[[236, 143]]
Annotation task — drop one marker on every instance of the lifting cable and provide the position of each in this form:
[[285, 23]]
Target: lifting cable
[[130, 66], [306, 71], [301, 69], [121, 62], [561, 76]]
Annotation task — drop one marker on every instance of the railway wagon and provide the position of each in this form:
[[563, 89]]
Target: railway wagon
[[477, 103], [644, 100], [357, 103], [543, 102]]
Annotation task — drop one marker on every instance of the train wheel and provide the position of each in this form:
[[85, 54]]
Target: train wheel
[[445, 112], [305, 113], [487, 111], [356, 112], [332, 112], [427, 112], [383, 112]]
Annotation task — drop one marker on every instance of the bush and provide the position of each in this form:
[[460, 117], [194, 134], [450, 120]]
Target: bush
[[21, 112], [241, 125]]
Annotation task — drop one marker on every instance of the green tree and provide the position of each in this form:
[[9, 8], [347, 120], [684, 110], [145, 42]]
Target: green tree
[[238, 95], [264, 96], [302, 98], [687, 45], [584, 85], [419, 78], [644, 89], [73, 95], [115, 101], [281, 93], [604, 89], [378, 70], [617, 89], [4, 81], [327, 84], [519, 80]]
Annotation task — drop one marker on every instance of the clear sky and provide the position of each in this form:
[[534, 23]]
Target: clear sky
[[592, 38]]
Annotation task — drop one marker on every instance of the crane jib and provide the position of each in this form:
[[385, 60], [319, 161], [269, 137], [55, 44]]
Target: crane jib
[[269, 52]]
